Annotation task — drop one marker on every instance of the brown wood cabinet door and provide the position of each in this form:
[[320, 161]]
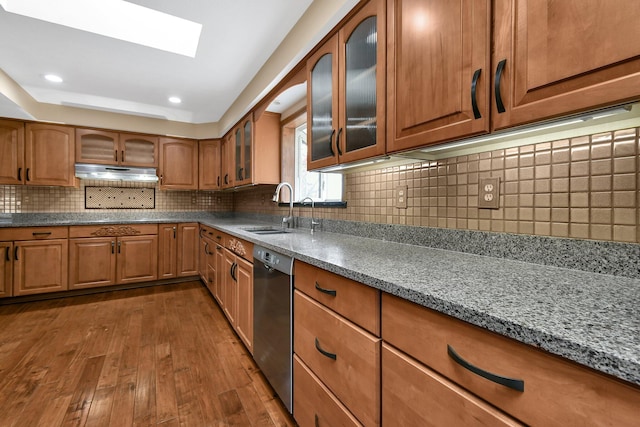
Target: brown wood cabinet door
[[138, 150], [6, 269], [12, 170], [92, 262], [178, 164], [209, 165], [219, 267], [437, 51], [188, 249], [564, 57], [228, 161], [137, 259], [202, 254], [229, 294], [49, 155], [167, 251], [40, 266], [96, 146], [322, 106], [361, 96], [414, 395], [244, 324]]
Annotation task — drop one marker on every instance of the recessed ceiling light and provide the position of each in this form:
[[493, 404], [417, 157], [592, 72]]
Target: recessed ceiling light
[[117, 19], [175, 100], [53, 78]]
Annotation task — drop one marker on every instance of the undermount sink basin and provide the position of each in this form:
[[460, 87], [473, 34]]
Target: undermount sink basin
[[266, 230]]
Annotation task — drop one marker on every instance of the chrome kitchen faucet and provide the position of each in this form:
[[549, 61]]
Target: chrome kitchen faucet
[[288, 219]]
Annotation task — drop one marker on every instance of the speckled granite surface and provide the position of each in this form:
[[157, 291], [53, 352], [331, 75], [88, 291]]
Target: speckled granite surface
[[587, 317]]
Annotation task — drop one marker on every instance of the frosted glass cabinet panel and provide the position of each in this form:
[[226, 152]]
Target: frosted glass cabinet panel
[[346, 81], [360, 86], [245, 172]]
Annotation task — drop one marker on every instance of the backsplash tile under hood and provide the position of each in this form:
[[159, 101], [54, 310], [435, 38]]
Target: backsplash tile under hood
[[28, 199]]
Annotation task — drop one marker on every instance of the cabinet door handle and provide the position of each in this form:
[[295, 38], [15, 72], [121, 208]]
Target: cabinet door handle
[[325, 353], [499, 71], [226, 178], [116, 156], [41, 233], [514, 384], [174, 232], [119, 247], [8, 255], [326, 291], [28, 178], [206, 249], [218, 180], [113, 247], [122, 156], [15, 254], [338, 142], [474, 97], [19, 174], [235, 272], [333, 153]]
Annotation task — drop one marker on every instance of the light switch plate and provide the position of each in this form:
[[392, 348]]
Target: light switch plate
[[401, 194], [489, 193]]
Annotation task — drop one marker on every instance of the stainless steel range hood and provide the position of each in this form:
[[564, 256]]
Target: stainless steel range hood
[[115, 173]]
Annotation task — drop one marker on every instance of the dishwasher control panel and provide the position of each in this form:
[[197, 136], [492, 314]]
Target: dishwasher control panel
[[273, 259]]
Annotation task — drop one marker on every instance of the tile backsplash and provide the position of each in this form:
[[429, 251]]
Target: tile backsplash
[[27, 199], [585, 188]]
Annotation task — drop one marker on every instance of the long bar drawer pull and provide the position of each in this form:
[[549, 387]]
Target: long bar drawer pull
[[42, 233], [324, 352], [514, 384], [8, 254], [326, 291]]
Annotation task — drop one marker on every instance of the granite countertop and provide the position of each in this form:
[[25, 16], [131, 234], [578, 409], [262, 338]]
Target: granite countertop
[[590, 318]]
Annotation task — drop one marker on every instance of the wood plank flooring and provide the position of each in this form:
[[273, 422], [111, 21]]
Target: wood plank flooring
[[162, 355]]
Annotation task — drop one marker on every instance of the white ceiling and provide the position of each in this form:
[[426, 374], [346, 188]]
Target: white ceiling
[[101, 73]]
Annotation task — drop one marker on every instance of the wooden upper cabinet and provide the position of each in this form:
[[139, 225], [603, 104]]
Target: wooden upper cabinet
[[346, 86], [49, 155], [228, 160], [563, 57], [438, 71], [178, 164], [209, 165], [113, 148], [11, 152], [243, 146]]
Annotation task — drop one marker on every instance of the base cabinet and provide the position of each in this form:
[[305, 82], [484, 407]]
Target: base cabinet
[[113, 257], [34, 260]]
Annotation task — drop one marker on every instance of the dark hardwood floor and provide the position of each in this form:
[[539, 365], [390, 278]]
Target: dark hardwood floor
[[162, 355]]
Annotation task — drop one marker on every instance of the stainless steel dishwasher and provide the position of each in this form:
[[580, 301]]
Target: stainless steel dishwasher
[[272, 319]]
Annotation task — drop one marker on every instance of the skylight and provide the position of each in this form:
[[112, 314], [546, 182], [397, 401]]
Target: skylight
[[117, 19]]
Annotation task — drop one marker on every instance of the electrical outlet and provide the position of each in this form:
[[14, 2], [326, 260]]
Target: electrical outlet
[[489, 193], [401, 196]]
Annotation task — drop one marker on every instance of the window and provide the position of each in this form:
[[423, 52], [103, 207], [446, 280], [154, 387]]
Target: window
[[321, 187]]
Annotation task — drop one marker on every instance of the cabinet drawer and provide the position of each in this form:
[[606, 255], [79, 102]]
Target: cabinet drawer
[[355, 301], [414, 395], [570, 394], [216, 235], [112, 230], [33, 233], [353, 373], [314, 404]]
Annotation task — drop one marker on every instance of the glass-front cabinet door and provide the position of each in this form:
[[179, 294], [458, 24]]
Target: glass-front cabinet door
[[238, 142], [346, 82], [245, 172]]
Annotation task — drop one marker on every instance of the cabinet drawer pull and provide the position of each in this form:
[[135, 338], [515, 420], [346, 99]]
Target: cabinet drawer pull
[[28, 178], [19, 174], [317, 420], [8, 256], [514, 384], [326, 291], [499, 71], [474, 98], [333, 153], [41, 233], [15, 254], [338, 142], [324, 352]]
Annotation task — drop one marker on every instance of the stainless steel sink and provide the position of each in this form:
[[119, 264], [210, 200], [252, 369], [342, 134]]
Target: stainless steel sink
[[267, 230]]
